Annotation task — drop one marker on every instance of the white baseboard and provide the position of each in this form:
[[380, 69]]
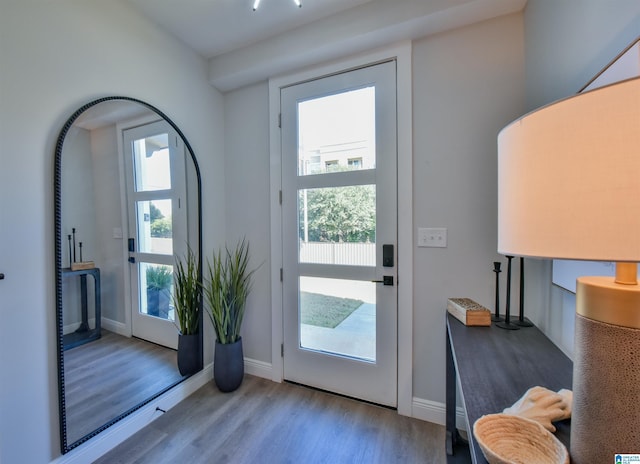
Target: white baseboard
[[115, 327], [432, 411], [119, 432], [107, 324], [69, 328], [258, 368]]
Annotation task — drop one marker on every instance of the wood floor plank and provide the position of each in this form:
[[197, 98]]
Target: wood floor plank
[[109, 376], [267, 422]]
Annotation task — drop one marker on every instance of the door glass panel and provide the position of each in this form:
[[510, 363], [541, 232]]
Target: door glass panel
[[155, 234], [337, 225], [338, 316], [337, 132], [156, 290], [152, 163]]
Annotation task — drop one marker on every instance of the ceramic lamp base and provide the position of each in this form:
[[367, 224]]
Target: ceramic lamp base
[[606, 379]]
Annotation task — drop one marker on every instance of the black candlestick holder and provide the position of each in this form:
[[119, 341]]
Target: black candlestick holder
[[496, 316], [522, 321], [507, 324], [70, 250], [73, 233]]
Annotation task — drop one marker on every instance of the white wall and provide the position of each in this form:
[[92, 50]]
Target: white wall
[[468, 84], [79, 214], [108, 252], [247, 214], [566, 44], [569, 42], [56, 56]]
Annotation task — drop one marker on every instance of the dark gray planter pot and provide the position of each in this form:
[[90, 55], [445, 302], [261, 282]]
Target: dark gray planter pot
[[228, 366], [158, 301], [188, 354]]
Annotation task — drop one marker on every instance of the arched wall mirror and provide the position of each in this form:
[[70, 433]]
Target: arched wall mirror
[[127, 205]]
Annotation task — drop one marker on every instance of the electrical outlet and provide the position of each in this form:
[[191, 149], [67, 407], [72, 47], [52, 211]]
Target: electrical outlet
[[432, 237]]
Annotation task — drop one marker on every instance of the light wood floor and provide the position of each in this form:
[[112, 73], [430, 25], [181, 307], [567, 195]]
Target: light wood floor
[[107, 377], [267, 422]]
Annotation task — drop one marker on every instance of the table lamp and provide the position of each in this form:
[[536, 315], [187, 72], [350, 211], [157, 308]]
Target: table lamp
[[569, 188]]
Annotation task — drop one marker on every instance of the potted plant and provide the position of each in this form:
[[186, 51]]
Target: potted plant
[[187, 297], [226, 288], [159, 280]]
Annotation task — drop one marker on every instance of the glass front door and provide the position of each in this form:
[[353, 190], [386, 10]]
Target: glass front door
[[339, 209], [156, 201]]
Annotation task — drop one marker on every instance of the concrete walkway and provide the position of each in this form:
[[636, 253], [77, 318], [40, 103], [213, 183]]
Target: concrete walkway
[[353, 337]]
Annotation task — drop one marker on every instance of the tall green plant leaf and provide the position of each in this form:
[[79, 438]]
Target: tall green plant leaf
[[187, 293], [226, 288]]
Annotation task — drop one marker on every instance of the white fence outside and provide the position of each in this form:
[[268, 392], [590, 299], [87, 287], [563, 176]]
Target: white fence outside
[[353, 254]]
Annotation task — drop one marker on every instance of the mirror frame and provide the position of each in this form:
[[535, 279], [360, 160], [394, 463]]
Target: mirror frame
[[64, 446]]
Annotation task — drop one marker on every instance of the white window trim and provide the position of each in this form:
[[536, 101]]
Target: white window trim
[[402, 53]]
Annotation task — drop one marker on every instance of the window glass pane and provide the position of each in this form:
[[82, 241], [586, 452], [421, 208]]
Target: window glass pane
[[337, 225], [156, 290], [337, 132], [152, 165], [155, 227], [338, 316]]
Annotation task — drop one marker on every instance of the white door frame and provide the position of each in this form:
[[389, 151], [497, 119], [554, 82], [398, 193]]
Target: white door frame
[[178, 179], [402, 53], [127, 328]]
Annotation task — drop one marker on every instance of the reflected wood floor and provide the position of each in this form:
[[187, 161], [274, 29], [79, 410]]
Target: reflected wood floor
[[109, 376], [267, 422]]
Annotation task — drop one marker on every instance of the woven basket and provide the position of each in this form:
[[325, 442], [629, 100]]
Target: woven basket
[[507, 439]]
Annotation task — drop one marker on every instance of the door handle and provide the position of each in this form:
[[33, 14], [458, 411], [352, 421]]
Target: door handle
[[386, 280], [1, 275]]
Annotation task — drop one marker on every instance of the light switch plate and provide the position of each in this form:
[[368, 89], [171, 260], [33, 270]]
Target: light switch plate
[[432, 237]]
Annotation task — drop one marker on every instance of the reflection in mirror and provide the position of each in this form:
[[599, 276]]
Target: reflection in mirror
[[127, 205]]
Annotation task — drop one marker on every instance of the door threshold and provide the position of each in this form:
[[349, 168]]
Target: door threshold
[[341, 395]]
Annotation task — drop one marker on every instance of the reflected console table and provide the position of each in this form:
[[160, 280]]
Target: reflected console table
[[84, 333], [494, 368]]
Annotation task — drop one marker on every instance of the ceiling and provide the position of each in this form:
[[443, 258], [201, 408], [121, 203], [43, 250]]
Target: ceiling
[[243, 46], [213, 27]]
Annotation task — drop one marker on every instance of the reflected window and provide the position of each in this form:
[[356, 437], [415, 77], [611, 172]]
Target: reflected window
[[155, 233], [156, 285], [152, 164]]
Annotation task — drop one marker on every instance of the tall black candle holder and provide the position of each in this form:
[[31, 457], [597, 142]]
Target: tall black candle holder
[[70, 250], [73, 233], [496, 316], [522, 321], [506, 324]]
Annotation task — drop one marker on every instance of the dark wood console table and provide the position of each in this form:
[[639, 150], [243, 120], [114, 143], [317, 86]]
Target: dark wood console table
[[84, 333], [494, 368]]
